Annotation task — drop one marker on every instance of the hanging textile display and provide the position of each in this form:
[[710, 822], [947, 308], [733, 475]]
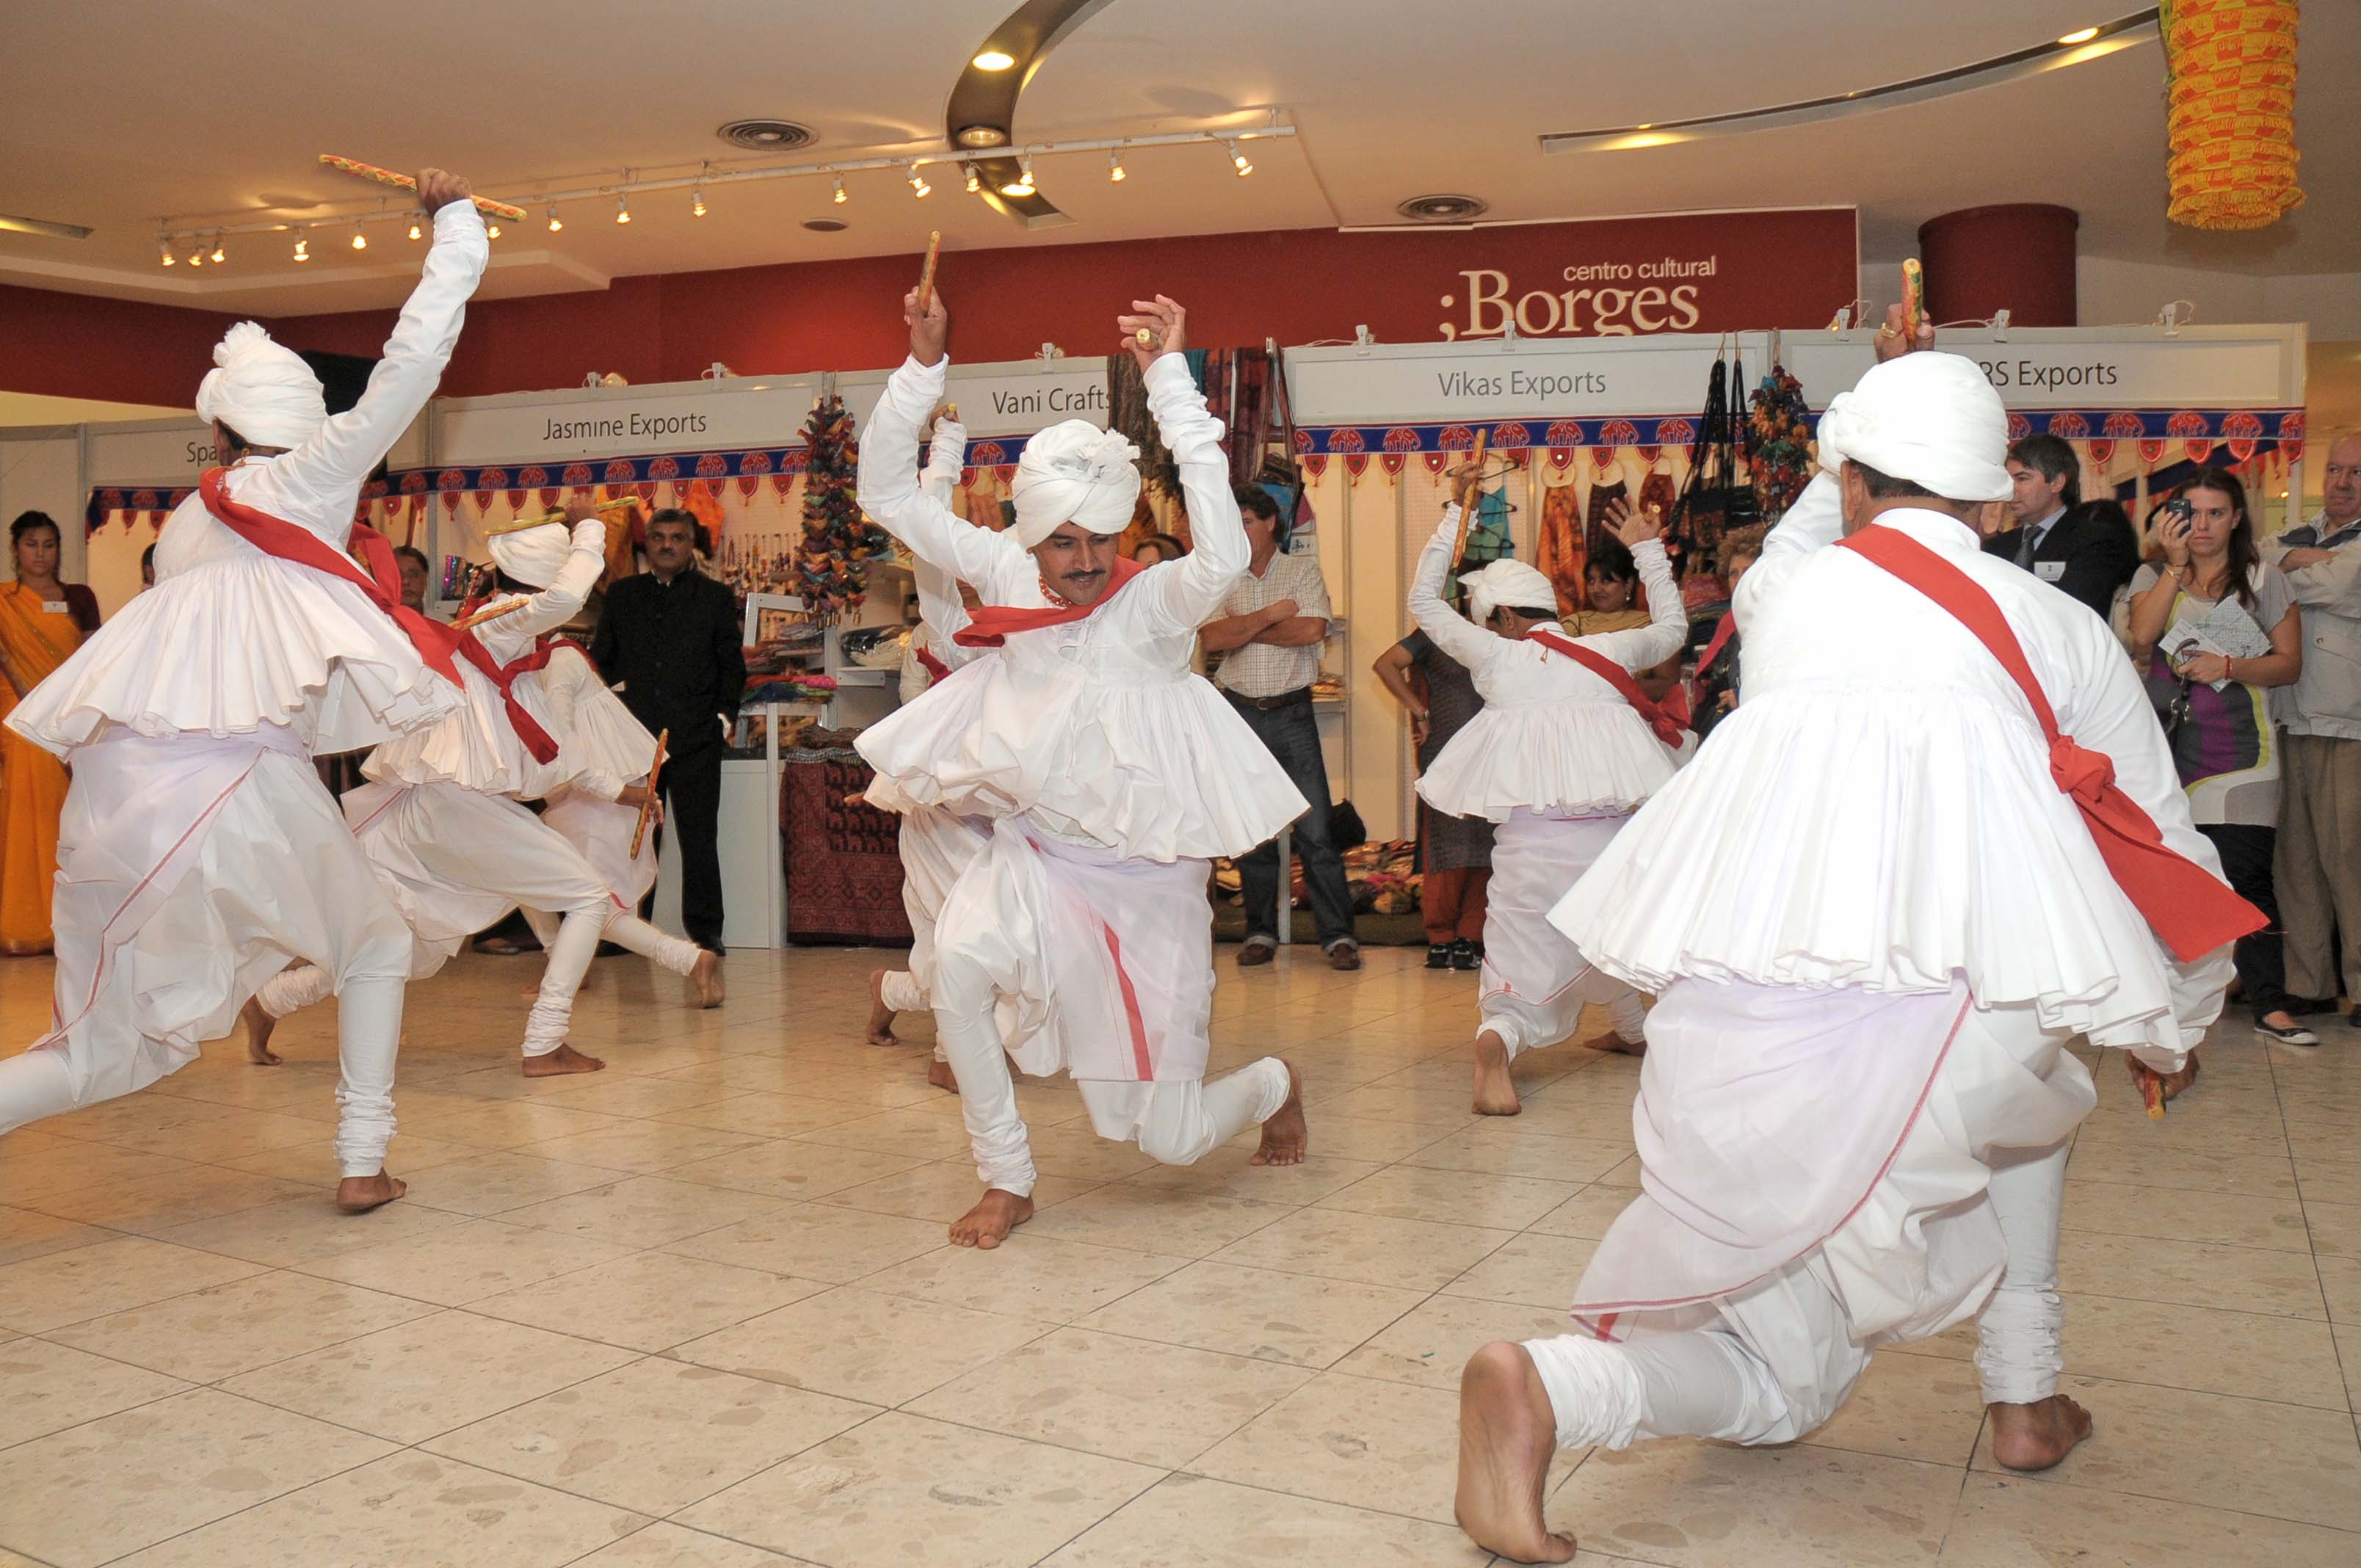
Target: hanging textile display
[[2230, 90]]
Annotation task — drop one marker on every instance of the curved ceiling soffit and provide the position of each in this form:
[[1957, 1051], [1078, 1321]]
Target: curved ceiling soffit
[[982, 110]]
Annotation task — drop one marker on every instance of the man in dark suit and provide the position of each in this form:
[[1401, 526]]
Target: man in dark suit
[[670, 636], [2083, 554]]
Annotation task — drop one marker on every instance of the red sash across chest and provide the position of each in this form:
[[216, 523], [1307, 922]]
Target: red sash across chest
[[2190, 908], [1666, 726]]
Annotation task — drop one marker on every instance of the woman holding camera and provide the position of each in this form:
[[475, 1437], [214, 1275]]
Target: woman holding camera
[[2221, 628]]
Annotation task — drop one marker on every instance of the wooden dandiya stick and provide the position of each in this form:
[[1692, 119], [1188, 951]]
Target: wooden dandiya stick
[[492, 612], [1914, 302], [927, 273], [648, 806], [376, 176], [1475, 501]]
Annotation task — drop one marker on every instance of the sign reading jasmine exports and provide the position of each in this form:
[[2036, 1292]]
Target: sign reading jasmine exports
[[620, 421]]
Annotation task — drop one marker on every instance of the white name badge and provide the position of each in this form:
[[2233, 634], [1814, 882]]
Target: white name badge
[[55, 606], [2049, 571]]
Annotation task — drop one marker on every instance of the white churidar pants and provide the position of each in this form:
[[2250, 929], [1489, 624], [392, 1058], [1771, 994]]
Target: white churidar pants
[[936, 847], [454, 861], [191, 869], [1536, 983], [1774, 1360], [1035, 923]]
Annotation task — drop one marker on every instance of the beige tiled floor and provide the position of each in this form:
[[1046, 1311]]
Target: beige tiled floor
[[696, 1312]]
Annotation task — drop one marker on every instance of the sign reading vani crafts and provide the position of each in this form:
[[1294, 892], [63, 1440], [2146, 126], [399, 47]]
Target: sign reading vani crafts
[[1004, 398], [2063, 368]]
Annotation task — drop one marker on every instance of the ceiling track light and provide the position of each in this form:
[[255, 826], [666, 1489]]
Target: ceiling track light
[[164, 251], [360, 240], [974, 180], [837, 180], [556, 223], [302, 246], [918, 186], [417, 233], [1023, 184], [623, 208], [219, 255], [1114, 169], [697, 203], [1238, 161], [197, 255], [491, 230]]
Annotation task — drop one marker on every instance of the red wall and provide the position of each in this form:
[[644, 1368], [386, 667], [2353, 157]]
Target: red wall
[[78, 345], [1787, 269]]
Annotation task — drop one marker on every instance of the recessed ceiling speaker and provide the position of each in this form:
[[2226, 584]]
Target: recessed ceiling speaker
[[767, 136], [1444, 209]]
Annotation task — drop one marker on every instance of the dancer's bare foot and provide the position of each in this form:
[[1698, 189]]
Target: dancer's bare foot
[[881, 1017], [530, 990], [939, 1074], [1507, 1435], [359, 1194], [987, 1224], [1611, 1041], [258, 1025], [2036, 1436], [1496, 1092], [1285, 1135], [564, 1060], [707, 977]]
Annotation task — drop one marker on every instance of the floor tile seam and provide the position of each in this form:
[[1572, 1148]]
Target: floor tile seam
[[2050, 1478], [1069, 1446], [1424, 1298], [258, 1503], [1309, 1497], [2070, 1228], [658, 1516], [429, 1310], [143, 1306], [186, 1388]]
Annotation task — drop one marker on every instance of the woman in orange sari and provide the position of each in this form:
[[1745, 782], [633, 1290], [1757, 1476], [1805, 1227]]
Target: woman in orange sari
[[42, 620]]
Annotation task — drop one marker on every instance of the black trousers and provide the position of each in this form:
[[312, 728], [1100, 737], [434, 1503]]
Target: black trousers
[[692, 792], [2246, 861]]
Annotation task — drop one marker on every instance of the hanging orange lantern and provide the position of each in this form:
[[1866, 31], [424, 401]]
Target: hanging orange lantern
[[2231, 105]]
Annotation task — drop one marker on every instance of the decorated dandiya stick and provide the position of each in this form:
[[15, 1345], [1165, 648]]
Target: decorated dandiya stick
[[492, 612], [1913, 299], [1475, 501], [927, 273], [648, 806], [376, 176]]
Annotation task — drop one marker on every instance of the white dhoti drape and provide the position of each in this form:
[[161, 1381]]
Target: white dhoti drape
[[1823, 1171], [936, 846], [1536, 982], [454, 861], [192, 868], [602, 830], [1109, 965]]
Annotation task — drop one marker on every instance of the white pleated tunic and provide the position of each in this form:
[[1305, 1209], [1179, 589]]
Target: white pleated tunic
[[1095, 730]]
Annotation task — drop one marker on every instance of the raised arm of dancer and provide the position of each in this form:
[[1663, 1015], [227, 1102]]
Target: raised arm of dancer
[[888, 488], [1191, 591], [940, 609], [561, 601], [1668, 617], [344, 451], [1465, 641]]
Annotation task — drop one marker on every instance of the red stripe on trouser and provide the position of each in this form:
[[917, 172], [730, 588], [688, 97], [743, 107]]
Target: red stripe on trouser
[[1130, 1007]]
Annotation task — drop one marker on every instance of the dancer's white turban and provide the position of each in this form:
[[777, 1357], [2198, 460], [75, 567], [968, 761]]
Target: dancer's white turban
[[1932, 419], [1510, 583], [534, 555], [264, 392], [1074, 472]]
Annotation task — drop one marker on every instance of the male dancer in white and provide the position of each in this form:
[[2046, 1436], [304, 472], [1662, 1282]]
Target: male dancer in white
[[199, 850], [934, 845], [441, 822], [1874, 916], [1111, 775], [1565, 751], [607, 754]]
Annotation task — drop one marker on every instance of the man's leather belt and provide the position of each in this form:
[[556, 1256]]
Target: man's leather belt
[[1265, 704]]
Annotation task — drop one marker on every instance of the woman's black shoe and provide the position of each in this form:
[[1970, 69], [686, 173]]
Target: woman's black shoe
[[1467, 955], [1438, 955]]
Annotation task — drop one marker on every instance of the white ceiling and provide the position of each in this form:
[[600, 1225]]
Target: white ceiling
[[123, 112]]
